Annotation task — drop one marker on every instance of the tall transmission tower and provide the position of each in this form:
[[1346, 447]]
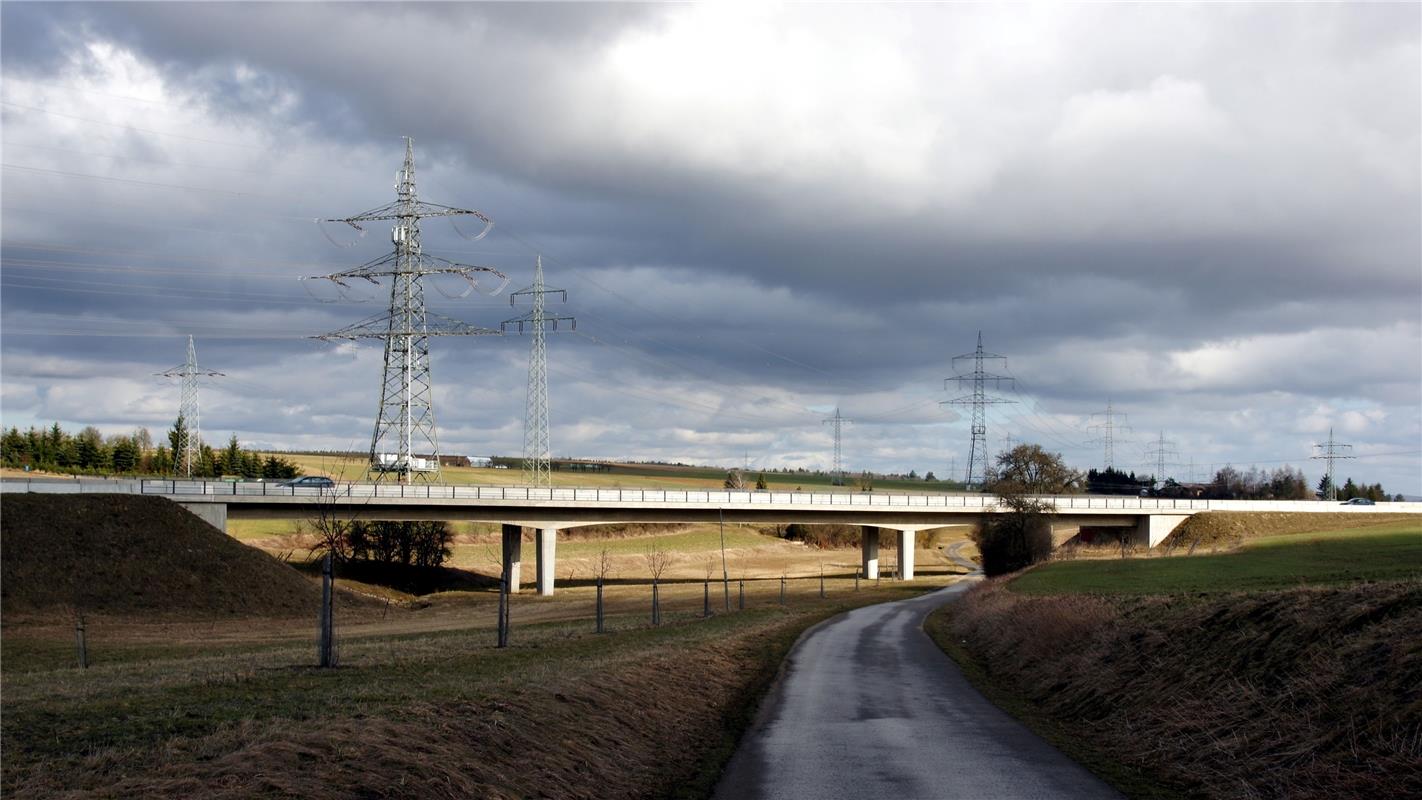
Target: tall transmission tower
[[979, 399], [189, 444], [1329, 452], [1159, 451], [537, 456], [836, 422], [405, 420], [1109, 428]]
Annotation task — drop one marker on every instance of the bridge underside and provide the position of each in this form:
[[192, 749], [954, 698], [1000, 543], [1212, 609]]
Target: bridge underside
[[1146, 530]]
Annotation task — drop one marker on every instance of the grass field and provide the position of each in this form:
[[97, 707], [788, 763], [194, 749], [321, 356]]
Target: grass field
[[1384, 552]]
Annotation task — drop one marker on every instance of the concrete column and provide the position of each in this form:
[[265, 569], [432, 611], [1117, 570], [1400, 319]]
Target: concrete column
[[906, 545], [513, 554], [869, 549], [547, 544], [214, 514]]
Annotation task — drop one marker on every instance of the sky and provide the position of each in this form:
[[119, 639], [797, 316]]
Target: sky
[[1204, 217]]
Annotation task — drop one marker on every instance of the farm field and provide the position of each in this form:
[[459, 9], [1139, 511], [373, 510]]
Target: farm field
[[1390, 551], [627, 476]]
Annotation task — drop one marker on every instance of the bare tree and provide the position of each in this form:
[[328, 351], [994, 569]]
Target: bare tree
[[735, 481], [658, 559], [603, 567]]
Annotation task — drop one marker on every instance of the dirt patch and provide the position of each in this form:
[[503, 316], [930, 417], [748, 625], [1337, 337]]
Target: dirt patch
[[126, 554], [1227, 529], [1303, 693]]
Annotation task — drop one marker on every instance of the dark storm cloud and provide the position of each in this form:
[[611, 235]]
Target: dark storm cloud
[[830, 202]]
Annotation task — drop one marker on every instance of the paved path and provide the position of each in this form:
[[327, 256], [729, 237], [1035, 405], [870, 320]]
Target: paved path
[[869, 707]]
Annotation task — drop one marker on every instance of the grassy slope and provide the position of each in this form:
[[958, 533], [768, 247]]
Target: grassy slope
[[77, 552], [640, 713], [1384, 552], [1216, 675]]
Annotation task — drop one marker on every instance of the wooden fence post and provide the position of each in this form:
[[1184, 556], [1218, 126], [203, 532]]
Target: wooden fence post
[[326, 649]]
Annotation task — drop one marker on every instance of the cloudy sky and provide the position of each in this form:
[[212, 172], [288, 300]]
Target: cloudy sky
[[1205, 216]]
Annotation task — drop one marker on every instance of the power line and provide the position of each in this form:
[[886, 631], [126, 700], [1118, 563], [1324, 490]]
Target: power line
[[978, 399]]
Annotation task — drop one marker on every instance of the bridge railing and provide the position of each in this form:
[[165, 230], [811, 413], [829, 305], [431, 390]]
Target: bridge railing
[[1064, 504], [696, 496]]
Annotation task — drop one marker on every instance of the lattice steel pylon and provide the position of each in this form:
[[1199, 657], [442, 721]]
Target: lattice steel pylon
[[837, 422], [1108, 430], [979, 399], [537, 455], [189, 444], [1329, 452], [405, 421], [1160, 450]]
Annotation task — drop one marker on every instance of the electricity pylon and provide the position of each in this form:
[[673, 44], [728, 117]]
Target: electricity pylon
[[1159, 450], [537, 455], [1108, 427], [1329, 452], [836, 422], [405, 421], [189, 443], [979, 399]]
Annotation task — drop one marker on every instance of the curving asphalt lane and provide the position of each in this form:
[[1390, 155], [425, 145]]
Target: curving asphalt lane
[[869, 707]]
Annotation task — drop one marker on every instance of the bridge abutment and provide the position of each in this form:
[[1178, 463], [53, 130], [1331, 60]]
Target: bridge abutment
[[214, 514], [547, 540], [513, 555], [1151, 529], [869, 551]]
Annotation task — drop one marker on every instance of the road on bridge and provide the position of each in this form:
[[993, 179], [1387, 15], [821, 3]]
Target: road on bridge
[[870, 707]]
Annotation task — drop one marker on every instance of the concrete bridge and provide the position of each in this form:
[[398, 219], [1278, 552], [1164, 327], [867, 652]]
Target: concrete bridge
[[548, 510]]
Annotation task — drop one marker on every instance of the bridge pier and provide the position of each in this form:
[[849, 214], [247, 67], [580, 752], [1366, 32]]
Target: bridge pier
[[906, 545], [513, 555], [547, 541], [869, 551]]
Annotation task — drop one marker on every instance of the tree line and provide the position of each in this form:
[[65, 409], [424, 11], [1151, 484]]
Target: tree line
[[90, 452]]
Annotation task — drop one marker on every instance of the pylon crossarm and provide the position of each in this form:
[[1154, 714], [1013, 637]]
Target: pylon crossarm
[[526, 322], [379, 327], [417, 210]]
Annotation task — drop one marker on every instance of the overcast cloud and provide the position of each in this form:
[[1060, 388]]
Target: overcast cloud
[[1207, 216]]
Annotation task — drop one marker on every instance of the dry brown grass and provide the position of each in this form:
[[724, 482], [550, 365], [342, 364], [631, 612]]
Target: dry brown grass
[[1303, 693], [641, 712]]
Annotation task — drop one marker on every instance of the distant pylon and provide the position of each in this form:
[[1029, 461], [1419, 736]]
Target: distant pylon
[[979, 400], [1159, 450], [836, 422], [189, 444], [405, 420], [537, 455], [1329, 452], [1108, 427]]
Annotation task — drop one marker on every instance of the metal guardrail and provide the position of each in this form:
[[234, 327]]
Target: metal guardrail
[[622, 496], [857, 500]]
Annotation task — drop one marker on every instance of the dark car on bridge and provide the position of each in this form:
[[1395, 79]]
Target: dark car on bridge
[[1358, 501], [309, 482]]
